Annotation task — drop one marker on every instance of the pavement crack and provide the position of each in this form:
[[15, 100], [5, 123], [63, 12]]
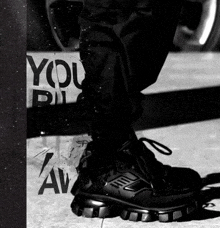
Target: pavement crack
[[102, 223]]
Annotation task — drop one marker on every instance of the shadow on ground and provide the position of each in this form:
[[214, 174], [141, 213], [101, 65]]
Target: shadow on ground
[[179, 107], [160, 110], [206, 196]]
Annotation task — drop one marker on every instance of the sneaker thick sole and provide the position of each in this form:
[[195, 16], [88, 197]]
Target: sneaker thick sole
[[90, 208], [136, 215]]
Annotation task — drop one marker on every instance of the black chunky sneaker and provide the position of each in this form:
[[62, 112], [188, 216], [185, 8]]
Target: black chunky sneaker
[[134, 185]]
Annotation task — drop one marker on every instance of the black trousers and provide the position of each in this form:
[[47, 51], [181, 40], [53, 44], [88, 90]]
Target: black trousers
[[123, 46]]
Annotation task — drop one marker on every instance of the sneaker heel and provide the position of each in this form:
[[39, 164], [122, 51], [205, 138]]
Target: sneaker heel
[[178, 214], [91, 208]]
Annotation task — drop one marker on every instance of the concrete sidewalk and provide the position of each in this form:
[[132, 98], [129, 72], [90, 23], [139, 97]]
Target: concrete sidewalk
[[51, 160], [194, 145]]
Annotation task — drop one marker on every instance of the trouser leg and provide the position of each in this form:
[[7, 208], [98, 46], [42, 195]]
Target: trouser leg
[[147, 36], [123, 47]]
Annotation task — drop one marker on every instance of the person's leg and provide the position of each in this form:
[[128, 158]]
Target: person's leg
[[147, 37], [122, 54], [105, 93], [123, 46]]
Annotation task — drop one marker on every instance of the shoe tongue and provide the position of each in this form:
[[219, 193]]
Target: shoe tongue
[[135, 152]]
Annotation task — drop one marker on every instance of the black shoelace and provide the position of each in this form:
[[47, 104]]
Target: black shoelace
[[157, 146]]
